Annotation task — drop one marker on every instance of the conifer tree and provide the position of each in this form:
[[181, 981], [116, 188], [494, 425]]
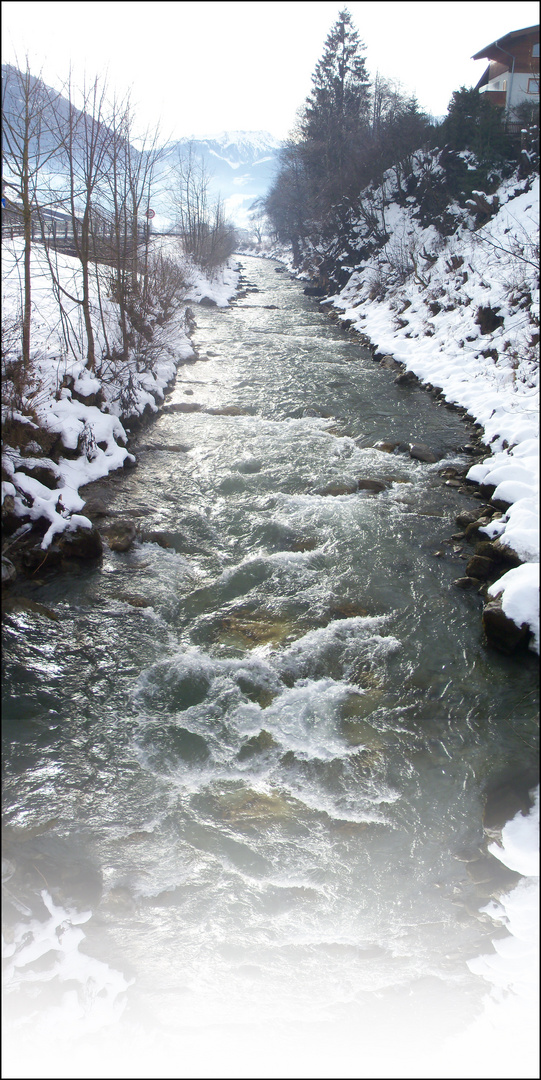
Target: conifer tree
[[336, 114]]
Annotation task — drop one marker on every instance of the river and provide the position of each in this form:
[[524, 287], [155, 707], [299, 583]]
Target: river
[[245, 761]]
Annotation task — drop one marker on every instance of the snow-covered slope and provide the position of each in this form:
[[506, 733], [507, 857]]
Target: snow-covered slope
[[461, 311]]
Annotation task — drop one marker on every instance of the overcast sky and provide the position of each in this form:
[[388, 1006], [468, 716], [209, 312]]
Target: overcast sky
[[201, 68]]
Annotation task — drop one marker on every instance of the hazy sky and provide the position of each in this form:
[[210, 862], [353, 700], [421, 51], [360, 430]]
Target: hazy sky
[[201, 68]]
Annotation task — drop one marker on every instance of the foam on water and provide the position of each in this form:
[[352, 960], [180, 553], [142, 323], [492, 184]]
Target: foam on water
[[341, 644], [206, 695]]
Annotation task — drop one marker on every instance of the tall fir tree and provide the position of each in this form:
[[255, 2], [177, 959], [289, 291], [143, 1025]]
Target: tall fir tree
[[336, 115]]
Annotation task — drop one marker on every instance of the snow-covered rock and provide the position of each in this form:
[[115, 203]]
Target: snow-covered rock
[[93, 438]]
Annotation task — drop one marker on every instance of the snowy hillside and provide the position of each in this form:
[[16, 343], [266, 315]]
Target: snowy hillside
[[461, 312]]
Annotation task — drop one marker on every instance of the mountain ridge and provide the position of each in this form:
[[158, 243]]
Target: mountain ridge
[[240, 165]]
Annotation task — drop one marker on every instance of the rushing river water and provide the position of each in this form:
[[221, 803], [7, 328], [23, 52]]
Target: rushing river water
[[243, 770]]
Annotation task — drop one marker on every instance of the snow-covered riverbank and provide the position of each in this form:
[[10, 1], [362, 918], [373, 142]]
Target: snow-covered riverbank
[[466, 321], [461, 312], [63, 423]]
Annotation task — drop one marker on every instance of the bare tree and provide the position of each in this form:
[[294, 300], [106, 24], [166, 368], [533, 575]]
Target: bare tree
[[205, 233], [190, 201], [130, 179], [258, 219], [288, 201], [28, 144], [86, 144]]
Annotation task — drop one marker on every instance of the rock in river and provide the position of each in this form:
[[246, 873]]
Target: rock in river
[[120, 536], [337, 488], [501, 631], [422, 452], [372, 486], [81, 544], [481, 567]]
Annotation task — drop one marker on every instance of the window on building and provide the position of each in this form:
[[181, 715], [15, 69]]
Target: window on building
[[535, 49], [533, 86]]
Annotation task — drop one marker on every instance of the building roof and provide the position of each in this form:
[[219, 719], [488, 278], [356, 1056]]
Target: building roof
[[503, 42], [485, 78]]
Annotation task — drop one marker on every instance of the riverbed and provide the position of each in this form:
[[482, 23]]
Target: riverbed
[[246, 760]]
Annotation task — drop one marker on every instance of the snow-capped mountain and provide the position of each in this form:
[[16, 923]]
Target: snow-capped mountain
[[241, 166]]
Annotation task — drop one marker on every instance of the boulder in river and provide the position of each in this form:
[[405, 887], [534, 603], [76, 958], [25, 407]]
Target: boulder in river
[[183, 407], [44, 474], [344, 609], [156, 536], [406, 378], [315, 290], [81, 544], [386, 447], [36, 558], [374, 487], [472, 530], [336, 488], [507, 797], [481, 567], [95, 508], [467, 517], [301, 543], [258, 744], [506, 554], [488, 551], [502, 633], [10, 521], [252, 628], [121, 535], [466, 582], [422, 452], [25, 603], [133, 599]]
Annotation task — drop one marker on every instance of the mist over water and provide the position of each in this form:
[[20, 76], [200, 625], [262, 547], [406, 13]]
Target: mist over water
[[243, 771]]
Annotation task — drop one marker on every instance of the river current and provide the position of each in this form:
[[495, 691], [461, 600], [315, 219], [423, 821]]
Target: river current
[[245, 761]]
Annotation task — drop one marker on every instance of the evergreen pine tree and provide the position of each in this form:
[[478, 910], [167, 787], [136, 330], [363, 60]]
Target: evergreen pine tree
[[336, 115]]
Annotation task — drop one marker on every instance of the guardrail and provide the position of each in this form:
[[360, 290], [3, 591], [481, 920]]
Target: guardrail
[[60, 235]]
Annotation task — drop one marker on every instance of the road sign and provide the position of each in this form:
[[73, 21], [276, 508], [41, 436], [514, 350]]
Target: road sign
[[151, 213]]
